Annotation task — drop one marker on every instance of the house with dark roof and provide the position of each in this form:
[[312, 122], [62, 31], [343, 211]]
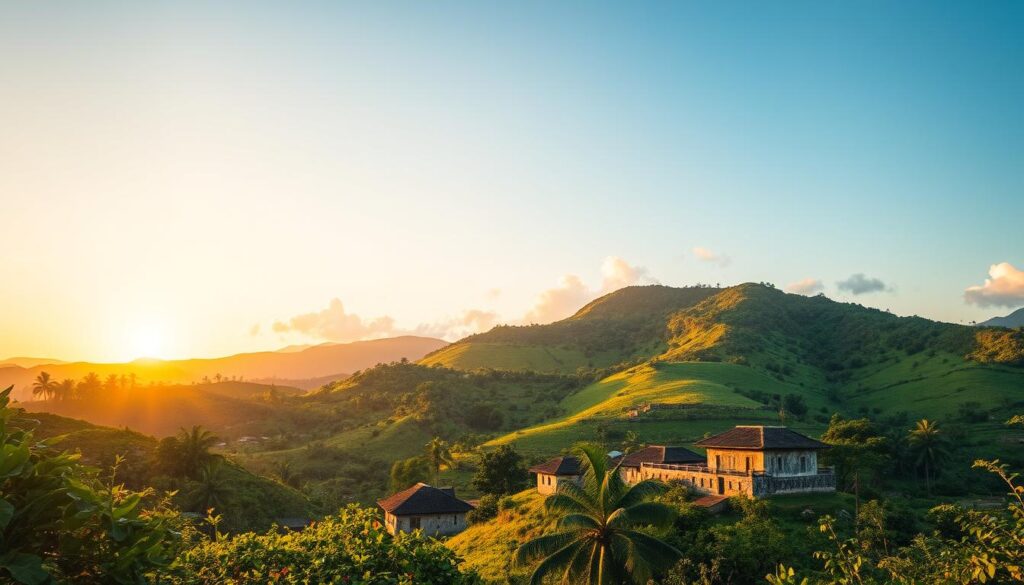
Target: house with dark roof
[[435, 511], [631, 464], [753, 460], [553, 472]]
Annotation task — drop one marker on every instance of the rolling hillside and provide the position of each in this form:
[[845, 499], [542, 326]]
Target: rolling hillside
[[253, 503], [316, 365], [734, 354], [623, 326], [231, 409]]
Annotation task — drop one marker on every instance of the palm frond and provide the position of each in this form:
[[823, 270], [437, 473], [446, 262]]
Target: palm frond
[[641, 492], [657, 515], [659, 554], [578, 521], [556, 560], [544, 546]]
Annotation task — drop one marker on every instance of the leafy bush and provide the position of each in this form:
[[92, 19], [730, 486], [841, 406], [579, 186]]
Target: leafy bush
[[60, 523], [350, 547]]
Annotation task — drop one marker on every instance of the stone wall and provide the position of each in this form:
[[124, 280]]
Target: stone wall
[[432, 525]]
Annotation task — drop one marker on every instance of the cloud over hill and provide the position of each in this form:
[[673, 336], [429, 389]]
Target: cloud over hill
[[1003, 288]]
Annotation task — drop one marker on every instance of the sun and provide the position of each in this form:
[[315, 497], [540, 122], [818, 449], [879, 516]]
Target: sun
[[146, 339]]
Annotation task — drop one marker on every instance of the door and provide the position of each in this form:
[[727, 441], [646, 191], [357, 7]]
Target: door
[[721, 486]]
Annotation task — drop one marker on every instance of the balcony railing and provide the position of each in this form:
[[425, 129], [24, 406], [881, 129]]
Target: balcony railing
[[731, 472]]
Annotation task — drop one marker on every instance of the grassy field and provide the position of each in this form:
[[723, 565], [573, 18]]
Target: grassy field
[[488, 547], [935, 386], [710, 391], [504, 356]]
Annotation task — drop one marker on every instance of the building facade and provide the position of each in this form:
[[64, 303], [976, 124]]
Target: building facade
[[755, 461], [435, 511]]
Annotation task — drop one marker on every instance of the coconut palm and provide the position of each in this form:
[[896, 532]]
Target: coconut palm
[[439, 454], [929, 445], [44, 385], [605, 529], [65, 389], [631, 442], [211, 487], [195, 448]]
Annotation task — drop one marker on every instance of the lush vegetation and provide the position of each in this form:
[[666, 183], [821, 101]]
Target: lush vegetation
[[63, 521], [606, 531]]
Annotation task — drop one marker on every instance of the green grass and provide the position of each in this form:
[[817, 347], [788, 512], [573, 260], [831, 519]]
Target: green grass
[[936, 386], [488, 547], [709, 390], [503, 356]]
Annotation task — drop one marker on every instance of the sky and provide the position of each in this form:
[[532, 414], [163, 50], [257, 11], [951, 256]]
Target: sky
[[203, 178]]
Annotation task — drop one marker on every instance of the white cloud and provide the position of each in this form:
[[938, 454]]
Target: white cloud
[[572, 293], [559, 302], [254, 330], [1003, 288], [335, 324], [859, 284], [470, 322], [807, 286], [705, 255], [617, 273]]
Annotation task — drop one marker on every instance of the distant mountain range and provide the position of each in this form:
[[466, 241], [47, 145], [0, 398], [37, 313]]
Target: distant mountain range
[[300, 367], [1014, 319]]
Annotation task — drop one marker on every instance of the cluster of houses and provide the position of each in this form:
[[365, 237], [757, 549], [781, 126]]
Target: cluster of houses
[[755, 461]]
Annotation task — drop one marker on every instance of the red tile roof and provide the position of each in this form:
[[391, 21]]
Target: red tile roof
[[567, 465]]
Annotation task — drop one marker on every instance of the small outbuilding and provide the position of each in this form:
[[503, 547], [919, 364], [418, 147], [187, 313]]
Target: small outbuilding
[[555, 471], [435, 511]]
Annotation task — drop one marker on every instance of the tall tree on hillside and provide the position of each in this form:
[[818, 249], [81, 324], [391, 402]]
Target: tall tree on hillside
[[111, 384], [195, 448], [211, 488], [858, 452], [500, 471], [605, 529], [631, 442], [929, 445], [43, 386], [439, 455], [90, 386], [65, 389]]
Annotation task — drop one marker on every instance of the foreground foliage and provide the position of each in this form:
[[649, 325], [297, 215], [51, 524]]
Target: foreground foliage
[[351, 547], [62, 524], [968, 546]]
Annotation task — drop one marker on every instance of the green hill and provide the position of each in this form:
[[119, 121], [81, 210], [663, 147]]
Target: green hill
[[626, 325], [735, 354], [252, 502]]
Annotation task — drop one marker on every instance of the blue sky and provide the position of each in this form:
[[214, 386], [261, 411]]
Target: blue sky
[[202, 171]]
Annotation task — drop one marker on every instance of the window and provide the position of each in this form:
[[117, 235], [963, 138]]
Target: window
[[455, 520], [803, 464], [748, 464], [414, 523]]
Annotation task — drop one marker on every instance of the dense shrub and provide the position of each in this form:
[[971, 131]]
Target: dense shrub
[[350, 547]]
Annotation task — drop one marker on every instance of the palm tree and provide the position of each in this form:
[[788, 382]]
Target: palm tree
[[65, 389], [631, 442], [44, 385], [438, 454], [929, 445], [89, 386], [110, 385], [603, 535], [211, 489], [195, 448]]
